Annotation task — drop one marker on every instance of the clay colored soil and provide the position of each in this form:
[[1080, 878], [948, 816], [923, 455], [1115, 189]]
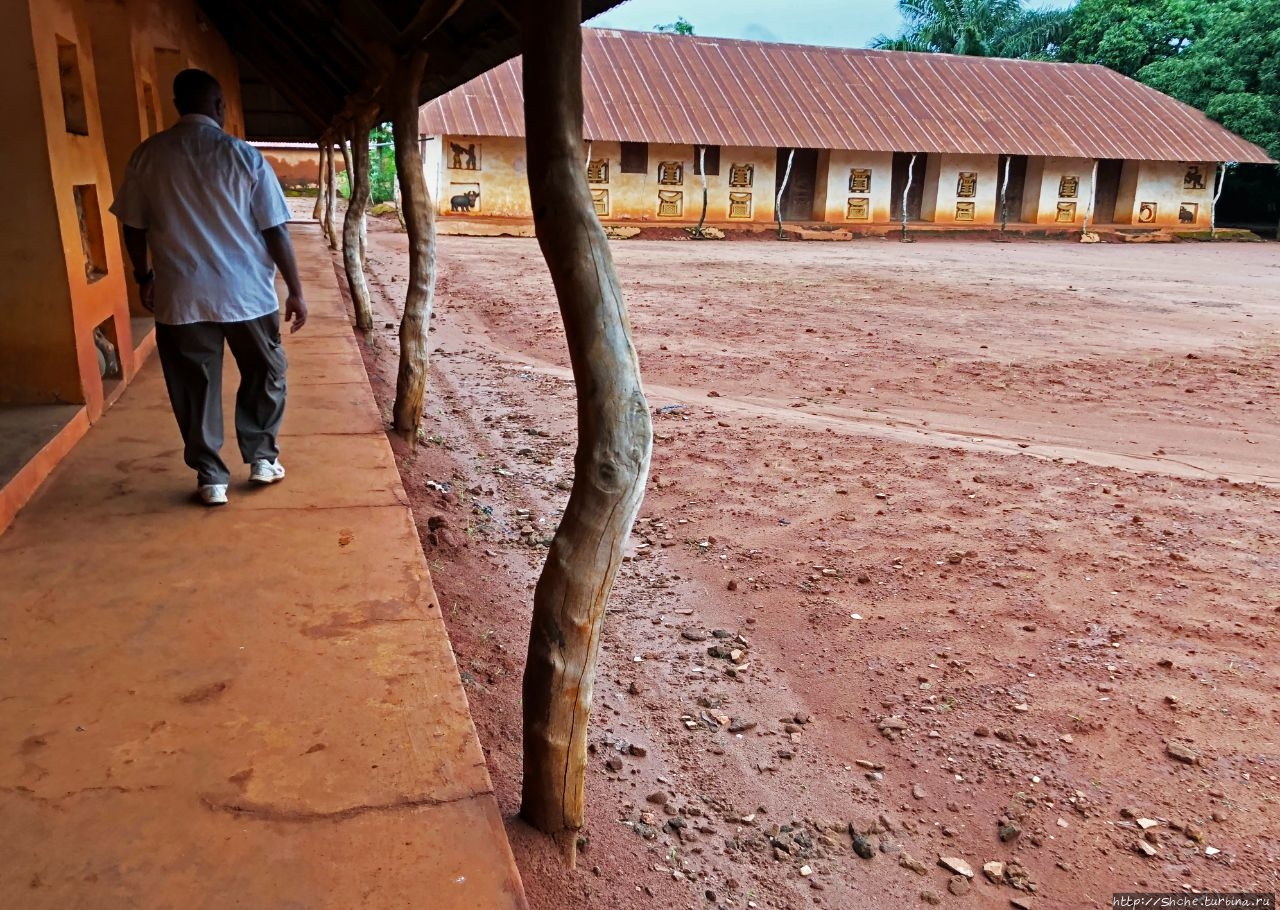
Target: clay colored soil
[[950, 550]]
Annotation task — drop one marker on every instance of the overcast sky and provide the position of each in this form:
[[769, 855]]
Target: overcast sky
[[843, 23]]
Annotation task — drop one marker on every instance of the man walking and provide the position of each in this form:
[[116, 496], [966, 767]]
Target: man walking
[[205, 228]]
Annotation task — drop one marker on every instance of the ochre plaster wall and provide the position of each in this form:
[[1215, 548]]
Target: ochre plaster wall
[[1165, 185], [52, 302], [941, 185], [502, 180], [1044, 188], [838, 194]]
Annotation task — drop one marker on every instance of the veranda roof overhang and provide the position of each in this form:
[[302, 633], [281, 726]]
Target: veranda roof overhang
[[302, 60]]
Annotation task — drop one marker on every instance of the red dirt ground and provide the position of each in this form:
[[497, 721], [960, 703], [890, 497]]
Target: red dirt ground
[[1021, 500]]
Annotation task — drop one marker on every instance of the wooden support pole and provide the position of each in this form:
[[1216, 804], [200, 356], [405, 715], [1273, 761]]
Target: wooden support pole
[[330, 196], [615, 434], [357, 162], [782, 188], [420, 222], [318, 212]]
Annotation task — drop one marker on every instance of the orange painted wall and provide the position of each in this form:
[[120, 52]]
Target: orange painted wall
[[51, 299]]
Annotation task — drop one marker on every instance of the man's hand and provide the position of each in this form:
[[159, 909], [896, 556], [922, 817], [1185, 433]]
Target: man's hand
[[147, 295], [295, 311]]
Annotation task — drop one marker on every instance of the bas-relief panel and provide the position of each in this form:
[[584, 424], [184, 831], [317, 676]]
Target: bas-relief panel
[[966, 186], [740, 205], [1066, 212], [464, 197], [965, 211], [600, 200], [598, 170], [741, 175], [464, 157], [1147, 212], [860, 180], [670, 203], [1194, 178], [1188, 213], [858, 209], [1069, 187], [671, 173]]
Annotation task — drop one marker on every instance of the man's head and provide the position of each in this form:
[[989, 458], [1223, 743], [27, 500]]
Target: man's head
[[197, 92]]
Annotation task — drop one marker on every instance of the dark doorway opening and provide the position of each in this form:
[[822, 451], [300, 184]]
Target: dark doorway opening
[[797, 197], [1107, 190], [915, 197], [1011, 205]]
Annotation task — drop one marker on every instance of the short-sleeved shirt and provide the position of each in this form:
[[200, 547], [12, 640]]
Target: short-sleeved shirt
[[204, 198]]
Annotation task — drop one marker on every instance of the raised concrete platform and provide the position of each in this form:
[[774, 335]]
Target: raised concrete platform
[[254, 706]]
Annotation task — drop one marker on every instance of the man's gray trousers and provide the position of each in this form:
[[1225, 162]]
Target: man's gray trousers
[[191, 356]]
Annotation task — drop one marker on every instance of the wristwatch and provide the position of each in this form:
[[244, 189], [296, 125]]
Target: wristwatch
[[144, 277]]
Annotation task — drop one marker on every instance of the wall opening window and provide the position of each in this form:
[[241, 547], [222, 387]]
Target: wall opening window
[[152, 124], [74, 111], [713, 160], [91, 241], [634, 158]]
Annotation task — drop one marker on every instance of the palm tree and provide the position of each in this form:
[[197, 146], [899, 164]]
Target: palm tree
[[977, 28]]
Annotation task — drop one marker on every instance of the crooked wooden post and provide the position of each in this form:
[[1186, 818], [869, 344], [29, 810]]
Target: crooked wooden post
[[331, 194], [615, 435], [318, 212], [420, 222], [357, 162]]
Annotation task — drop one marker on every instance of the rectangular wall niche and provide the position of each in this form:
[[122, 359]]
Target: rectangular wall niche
[[859, 209], [965, 211], [74, 110], [740, 175], [967, 185], [739, 205], [152, 115], [1066, 212], [670, 203], [860, 180], [598, 170], [1188, 213], [108, 350], [89, 215], [600, 201]]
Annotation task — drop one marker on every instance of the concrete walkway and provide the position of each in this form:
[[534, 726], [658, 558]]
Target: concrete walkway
[[254, 706]]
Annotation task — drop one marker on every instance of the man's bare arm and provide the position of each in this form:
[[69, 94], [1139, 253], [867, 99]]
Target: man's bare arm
[[135, 244], [281, 249]]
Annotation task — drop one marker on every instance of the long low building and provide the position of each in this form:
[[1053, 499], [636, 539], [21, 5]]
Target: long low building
[[841, 136]]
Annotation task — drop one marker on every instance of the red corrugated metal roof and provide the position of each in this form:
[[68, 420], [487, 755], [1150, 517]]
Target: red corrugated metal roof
[[651, 87]]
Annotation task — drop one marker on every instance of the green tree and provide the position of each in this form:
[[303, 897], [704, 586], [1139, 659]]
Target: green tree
[[1126, 35], [977, 28], [681, 26], [1231, 71], [382, 164]]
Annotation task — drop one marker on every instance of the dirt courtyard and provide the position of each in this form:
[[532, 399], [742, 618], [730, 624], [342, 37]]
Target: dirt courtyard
[[950, 549]]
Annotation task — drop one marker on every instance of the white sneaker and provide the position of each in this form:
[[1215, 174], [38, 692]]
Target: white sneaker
[[265, 472], [213, 494]]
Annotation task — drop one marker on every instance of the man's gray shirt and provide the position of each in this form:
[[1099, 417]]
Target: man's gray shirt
[[204, 198]]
